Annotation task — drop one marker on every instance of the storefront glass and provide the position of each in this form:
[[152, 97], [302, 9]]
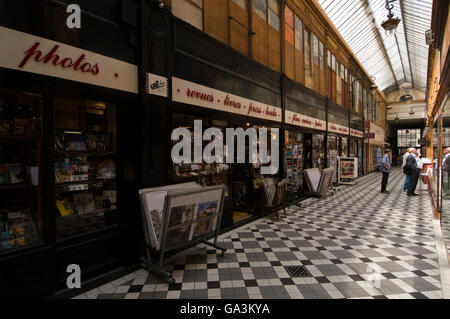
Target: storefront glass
[[333, 154], [293, 161], [85, 148], [344, 147], [318, 158], [21, 216]]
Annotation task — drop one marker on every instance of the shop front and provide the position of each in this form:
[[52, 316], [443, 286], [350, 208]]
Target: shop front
[[337, 146], [375, 145], [304, 138], [64, 193], [213, 109]]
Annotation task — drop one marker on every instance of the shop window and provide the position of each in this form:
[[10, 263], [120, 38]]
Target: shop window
[[333, 63], [273, 14], [191, 11], [85, 146], [344, 146], [21, 216], [260, 8], [315, 49], [298, 33], [309, 80], [293, 160], [329, 58], [333, 154], [321, 57], [317, 151], [289, 25], [241, 3]]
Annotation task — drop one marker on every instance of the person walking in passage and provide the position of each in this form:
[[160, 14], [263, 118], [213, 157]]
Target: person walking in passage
[[412, 169], [385, 170], [405, 156]]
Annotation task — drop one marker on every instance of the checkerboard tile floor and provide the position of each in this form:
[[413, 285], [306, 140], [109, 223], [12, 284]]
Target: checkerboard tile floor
[[341, 240]]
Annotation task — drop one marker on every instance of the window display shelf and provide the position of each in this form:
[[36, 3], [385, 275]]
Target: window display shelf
[[17, 187], [19, 137], [91, 154]]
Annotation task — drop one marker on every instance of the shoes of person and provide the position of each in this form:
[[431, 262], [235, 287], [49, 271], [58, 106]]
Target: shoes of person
[[385, 192], [412, 194]]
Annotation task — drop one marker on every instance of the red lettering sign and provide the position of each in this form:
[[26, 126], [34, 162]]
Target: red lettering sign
[[232, 103], [56, 60], [254, 109], [271, 113], [200, 95]]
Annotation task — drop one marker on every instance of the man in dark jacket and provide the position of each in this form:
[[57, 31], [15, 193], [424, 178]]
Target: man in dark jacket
[[413, 171]]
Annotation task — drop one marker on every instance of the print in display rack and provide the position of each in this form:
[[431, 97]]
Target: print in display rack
[[177, 217]]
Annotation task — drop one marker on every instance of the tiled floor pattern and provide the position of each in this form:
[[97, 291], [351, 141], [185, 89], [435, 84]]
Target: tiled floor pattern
[[341, 240]]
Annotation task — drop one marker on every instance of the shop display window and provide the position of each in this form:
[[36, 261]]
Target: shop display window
[[293, 161], [317, 151], [332, 158], [85, 148], [344, 146], [21, 217], [202, 173]]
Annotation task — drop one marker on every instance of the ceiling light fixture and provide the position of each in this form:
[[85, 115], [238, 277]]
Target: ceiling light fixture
[[390, 25]]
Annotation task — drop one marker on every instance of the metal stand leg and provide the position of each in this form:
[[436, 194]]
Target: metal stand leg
[[215, 246], [157, 271]]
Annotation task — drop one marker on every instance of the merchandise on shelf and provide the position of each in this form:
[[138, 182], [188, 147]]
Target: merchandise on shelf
[[17, 229]]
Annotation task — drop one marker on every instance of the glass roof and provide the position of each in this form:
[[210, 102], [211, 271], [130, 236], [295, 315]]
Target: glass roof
[[392, 60]]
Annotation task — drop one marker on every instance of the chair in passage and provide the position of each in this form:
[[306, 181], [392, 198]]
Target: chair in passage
[[274, 198]]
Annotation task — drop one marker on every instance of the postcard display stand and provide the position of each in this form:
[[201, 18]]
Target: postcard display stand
[[179, 216], [347, 170]]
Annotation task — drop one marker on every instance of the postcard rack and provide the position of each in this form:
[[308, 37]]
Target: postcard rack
[[178, 217]]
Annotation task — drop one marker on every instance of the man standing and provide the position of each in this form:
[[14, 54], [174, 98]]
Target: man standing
[[414, 172], [405, 156], [385, 170]]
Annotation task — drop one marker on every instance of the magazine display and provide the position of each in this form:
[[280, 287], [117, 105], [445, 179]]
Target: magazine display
[[17, 229], [12, 174]]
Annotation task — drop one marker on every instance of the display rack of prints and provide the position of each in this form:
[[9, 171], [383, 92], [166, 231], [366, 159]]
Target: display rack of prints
[[178, 217]]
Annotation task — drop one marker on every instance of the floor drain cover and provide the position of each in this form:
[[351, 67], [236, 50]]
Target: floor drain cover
[[297, 271]]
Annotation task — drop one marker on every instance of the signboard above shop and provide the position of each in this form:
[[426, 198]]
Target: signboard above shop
[[25, 52], [304, 121], [195, 94]]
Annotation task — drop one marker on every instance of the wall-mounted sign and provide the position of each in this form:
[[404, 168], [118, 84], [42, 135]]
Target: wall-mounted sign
[[356, 133], [339, 129], [304, 121], [157, 85], [25, 52], [370, 135], [192, 93]]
